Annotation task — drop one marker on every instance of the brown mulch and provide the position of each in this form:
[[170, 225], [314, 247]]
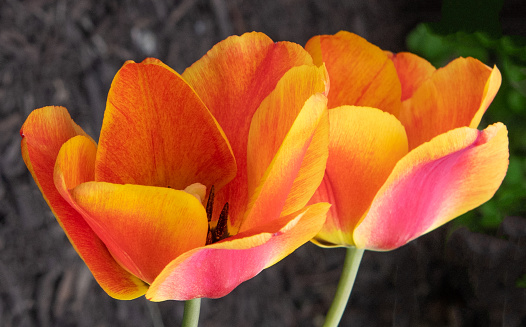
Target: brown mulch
[[67, 52]]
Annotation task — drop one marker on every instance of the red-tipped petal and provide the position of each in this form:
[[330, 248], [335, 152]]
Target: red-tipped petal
[[365, 145], [361, 73], [232, 79], [144, 227], [157, 132], [435, 183], [44, 133], [215, 270], [454, 96]]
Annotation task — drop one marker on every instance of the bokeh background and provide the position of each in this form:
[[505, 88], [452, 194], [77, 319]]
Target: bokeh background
[[471, 272]]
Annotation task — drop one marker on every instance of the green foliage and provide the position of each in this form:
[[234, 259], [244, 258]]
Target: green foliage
[[440, 45], [521, 282]]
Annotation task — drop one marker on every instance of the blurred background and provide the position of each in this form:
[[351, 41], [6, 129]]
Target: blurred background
[[471, 272]]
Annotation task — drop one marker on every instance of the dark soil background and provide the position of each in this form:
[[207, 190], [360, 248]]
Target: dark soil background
[[67, 52]]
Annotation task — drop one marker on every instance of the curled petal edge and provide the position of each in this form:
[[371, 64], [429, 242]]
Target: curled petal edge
[[435, 183], [215, 270]]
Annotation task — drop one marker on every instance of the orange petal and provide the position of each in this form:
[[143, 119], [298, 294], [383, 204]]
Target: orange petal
[[435, 183], [287, 148], [144, 227], [44, 133], [361, 73], [75, 164], [215, 270], [412, 71], [232, 79], [276, 194], [365, 145], [454, 96], [157, 132]]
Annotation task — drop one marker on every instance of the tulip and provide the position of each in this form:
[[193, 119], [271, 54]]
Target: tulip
[[199, 181], [405, 156]]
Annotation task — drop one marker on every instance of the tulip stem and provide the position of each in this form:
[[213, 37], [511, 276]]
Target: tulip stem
[[350, 269], [191, 313]]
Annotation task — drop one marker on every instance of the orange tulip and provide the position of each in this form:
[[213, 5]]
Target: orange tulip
[[248, 120], [405, 156]]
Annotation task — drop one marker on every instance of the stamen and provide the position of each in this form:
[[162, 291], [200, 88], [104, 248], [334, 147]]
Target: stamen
[[210, 204], [221, 231], [209, 237]]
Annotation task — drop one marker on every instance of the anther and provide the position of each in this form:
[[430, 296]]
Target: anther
[[209, 237], [210, 204], [221, 231]]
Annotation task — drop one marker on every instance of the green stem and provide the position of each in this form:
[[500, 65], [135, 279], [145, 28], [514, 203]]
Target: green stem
[[350, 269], [191, 313]]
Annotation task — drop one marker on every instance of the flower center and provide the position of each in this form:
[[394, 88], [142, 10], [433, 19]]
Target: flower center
[[220, 231]]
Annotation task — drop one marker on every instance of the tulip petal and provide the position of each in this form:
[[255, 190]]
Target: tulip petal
[[215, 270], [44, 133], [144, 227], [365, 144], [276, 193], [287, 148], [412, 71], [157, 132], [436, 182], [232, 79], [454, 96], [361, 73], [75, 164]]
